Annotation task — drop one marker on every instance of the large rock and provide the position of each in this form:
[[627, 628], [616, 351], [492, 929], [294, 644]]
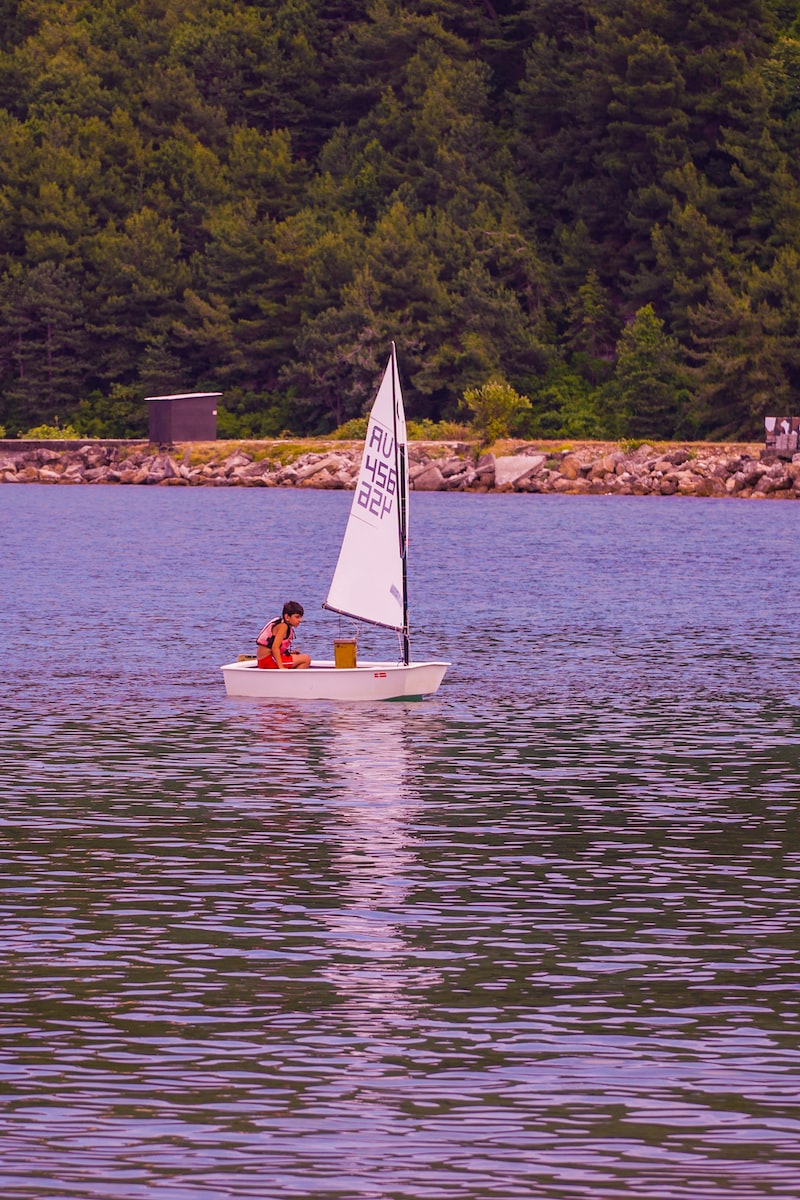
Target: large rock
[[416, 466], [235, 462], [456, 480], [484, 470], [453, 466], [767, 484], [514, 468], [456, 483], [687, 482], [699, 471], [752, 472], [164, 467], [571, 467], [255, 470], [327, 465], [571, 486], [429, 480]]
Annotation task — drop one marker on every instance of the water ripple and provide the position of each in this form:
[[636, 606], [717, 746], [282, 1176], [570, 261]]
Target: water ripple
[[535, 938]]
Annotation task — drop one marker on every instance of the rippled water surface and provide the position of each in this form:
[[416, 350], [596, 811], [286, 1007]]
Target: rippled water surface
[[534, 937]]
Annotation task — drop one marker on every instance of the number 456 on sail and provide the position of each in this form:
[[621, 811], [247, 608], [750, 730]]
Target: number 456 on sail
[[377, 497]]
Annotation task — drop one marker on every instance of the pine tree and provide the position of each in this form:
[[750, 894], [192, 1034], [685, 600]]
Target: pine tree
[[739, 373], [746, 349], [690, 246], [593, 327], [43, 352], [649, 384]]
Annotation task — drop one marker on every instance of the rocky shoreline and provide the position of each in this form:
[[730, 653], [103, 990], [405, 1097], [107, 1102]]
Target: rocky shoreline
[[593, 468]]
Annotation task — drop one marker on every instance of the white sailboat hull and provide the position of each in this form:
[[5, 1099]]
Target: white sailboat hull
[[324, 681]]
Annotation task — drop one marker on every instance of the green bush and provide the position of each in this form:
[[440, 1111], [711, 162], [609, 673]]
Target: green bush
[[494, 408], [120, 414], [354, 430], [435, 431], [418, 431], [565, 406], [251, 416], [51, 433]]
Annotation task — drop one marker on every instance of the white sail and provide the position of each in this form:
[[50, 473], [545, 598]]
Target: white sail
[[368, 582]]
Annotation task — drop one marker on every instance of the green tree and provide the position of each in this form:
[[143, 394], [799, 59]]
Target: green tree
[[494, 407], [264, 195], [594, 327], [138, 283], [691, 244], [42, 350], [745, 347], [121, 413], [17, 23], [648, 390], [565, 405]]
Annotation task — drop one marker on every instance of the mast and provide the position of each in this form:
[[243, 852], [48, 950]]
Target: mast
[[402, 508]]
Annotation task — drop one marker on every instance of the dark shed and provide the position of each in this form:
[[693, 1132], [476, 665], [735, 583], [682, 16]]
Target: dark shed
[[186, 417]]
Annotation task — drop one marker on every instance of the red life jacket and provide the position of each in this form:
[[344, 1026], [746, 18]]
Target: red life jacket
[[267, 635]]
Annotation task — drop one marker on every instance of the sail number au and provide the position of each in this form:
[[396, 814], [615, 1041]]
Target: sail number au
[[378, 482]]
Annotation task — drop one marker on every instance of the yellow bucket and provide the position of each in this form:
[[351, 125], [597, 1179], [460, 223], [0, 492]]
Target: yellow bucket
[[344, 653]]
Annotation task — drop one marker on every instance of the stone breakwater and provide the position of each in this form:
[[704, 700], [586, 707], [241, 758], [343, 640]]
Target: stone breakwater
[[706, 469]]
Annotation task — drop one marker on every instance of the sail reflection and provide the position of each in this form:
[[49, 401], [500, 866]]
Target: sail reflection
[[373, 964]]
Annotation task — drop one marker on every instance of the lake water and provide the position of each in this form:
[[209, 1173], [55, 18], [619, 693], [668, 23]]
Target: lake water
[[536, 937]]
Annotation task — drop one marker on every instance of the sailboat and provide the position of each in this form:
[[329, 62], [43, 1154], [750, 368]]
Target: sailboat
[[370, 581]]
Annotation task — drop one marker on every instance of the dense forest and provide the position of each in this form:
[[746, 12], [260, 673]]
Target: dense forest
[[596, 202]]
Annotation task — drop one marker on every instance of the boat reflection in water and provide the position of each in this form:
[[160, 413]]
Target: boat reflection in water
[[372, 962]]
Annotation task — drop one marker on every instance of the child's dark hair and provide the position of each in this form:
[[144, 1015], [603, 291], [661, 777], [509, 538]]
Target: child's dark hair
[[292, 608]]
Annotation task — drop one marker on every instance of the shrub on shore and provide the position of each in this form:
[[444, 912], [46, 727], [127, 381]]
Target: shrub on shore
[[51, 433]]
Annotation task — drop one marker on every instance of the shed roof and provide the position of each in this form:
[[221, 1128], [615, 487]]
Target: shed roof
[[186, 396]]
